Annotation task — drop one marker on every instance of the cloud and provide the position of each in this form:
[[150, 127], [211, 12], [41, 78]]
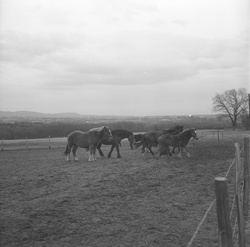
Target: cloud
[[179, 22], [130, 58], [20, 46]]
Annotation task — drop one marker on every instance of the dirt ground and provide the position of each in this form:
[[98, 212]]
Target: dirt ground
[[131, 201]]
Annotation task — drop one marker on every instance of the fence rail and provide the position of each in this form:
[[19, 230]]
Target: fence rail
[[217, 136], [31, 144]]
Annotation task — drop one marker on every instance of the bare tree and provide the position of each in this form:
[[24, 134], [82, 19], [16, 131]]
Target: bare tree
[[231, 104]]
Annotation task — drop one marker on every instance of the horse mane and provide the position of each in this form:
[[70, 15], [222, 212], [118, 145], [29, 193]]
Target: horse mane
[[185, 131], [97, 130], [174, 130]]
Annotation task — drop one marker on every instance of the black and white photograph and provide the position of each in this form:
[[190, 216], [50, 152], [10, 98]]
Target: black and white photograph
[[124, 123]]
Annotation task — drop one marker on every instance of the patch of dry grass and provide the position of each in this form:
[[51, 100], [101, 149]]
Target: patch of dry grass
[[131, 201]]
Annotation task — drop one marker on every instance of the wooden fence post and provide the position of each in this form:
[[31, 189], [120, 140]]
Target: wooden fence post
[[239, 205], [224, 224], [246, 177]]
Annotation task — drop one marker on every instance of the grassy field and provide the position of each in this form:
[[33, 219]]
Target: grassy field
[[131, 201]]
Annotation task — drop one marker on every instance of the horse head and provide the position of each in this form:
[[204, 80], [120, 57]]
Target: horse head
[[131, 139], [106, 133], [194, 134]]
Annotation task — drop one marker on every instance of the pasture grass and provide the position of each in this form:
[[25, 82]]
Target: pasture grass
[[46, 201]]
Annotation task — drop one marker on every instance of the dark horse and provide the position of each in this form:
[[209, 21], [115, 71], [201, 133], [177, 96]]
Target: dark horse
[[88, 140], [180, 140], [138, 137], [150, 139], [118, 135]]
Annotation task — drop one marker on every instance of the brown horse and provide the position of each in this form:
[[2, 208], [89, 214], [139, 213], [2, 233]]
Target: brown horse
[[118, 135], [88, 140], [150, 139], [180, 140]]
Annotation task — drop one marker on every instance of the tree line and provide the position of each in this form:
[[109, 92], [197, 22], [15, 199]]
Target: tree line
[[21, 130]]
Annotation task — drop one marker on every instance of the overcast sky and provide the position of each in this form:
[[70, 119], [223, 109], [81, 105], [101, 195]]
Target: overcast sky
[[121, 57]]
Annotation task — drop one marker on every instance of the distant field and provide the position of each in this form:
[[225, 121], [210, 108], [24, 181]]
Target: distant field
[[131, 201], [58, 143]]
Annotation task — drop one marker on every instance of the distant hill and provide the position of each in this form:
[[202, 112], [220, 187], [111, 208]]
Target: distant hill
[[30, 116], [36, 115]]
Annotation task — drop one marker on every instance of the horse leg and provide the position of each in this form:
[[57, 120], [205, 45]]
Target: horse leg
[[186, 149], [94, 158], [180, 151], [164, 150], [118, 151], [67, 152], [111, 150], [150, 150], [131, 145], [169, 152], [160, 152], [99, 149], [74, 153], [147, 149], [91, 149], [143, 151]]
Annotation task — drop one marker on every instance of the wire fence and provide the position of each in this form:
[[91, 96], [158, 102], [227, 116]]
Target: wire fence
[[33, 144], [231, 229]]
